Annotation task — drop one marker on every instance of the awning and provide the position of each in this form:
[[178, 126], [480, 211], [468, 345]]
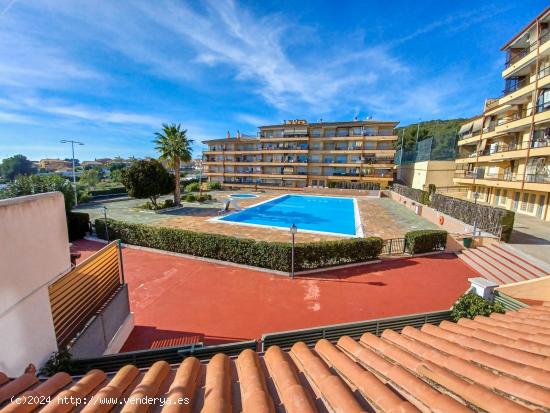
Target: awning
[[477, 125], [465, 128]]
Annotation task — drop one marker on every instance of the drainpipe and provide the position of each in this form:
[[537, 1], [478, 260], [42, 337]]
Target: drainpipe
[[533, 106]]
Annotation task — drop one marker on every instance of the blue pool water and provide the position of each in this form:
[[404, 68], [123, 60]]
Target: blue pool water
[[309, 213], [243, 196]]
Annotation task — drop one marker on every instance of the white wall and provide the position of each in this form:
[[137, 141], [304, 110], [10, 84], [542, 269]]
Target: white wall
[[34, 250]]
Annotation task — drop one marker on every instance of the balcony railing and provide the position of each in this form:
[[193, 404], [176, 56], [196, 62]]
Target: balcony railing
[[537, 178], [524, 52], [508, 177], [501, 147]]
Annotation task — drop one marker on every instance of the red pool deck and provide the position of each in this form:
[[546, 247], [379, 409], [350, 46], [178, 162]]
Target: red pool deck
[[178, 300]]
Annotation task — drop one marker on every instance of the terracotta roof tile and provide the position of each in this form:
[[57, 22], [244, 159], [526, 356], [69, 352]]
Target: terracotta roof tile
[[254, 394], [511, 354], [332, 388], [17, 386], [293, 395], [493, 364], [378, 395], [217, 391], [63, 403], [184, 385]]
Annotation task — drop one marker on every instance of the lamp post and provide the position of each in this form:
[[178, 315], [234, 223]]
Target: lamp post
[[74, 172], [417, 131], [293, 231], [105, 221]]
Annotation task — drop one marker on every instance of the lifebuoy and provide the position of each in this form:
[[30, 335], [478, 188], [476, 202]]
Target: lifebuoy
[[441, 220]]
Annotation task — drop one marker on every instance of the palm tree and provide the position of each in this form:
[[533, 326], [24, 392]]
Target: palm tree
[[174, 148]]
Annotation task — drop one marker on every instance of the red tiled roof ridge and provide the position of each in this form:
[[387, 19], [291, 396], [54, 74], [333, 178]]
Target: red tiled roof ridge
[[499, 363]]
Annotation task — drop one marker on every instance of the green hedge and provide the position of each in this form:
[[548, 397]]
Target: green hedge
[[271, 255], [78, 224], [111, 191], [417, 242]]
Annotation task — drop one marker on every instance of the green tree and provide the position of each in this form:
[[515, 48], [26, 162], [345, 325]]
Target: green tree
[[34, 184], [116, 175], [15, 166], [174, 147], [90, 177], [147, 179]]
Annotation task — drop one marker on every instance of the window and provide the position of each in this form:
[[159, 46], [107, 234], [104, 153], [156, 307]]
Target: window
[[343, 131], [370, 132], [524, 202], [316, 132], [497, 196], [504, 197], [356, 130], [531, 204], [330, 132]]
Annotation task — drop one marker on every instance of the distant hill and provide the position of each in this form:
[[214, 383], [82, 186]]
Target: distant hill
[[436, 128]]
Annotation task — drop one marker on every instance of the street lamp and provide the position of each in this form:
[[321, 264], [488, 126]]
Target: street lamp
[[293, 231], [105, 223], [417, 131], [74, 172]]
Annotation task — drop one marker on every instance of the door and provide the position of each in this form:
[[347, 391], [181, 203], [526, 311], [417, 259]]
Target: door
[[516, 201], [542, 199]]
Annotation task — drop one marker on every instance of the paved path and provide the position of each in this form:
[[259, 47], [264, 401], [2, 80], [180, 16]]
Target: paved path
[[531, 236], [173, 297]]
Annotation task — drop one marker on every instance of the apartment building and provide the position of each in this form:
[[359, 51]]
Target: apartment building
[[504, 154], [297, 154], [53, 164]]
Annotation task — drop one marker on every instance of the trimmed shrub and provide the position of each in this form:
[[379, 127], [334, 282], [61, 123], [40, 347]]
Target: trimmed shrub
[[190, 198], [471, 305], [111, 191], [78, 224], [204, 198], [271, 255], [192, 187], [417, 242], [214, 186]]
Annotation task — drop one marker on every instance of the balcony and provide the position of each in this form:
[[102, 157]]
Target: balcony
[[525, 57]]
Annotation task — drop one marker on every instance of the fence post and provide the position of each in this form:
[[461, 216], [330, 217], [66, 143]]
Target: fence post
[[121, 265]]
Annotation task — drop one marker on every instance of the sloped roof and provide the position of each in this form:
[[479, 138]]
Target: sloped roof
[[499, 363]]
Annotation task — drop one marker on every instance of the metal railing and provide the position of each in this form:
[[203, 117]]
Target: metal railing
[[537, 178], [509, 303], [80, 293], [172, 355], [310, 336], [393, 246], [524, 52]]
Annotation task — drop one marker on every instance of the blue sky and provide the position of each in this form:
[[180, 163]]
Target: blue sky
[[109, 73]]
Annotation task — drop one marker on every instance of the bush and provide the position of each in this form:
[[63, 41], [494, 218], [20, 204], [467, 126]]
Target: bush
[[204, 198], [192, 187], [83, 196], [272, 255], [471, 305], [417, 242], [111, 191], [78, 224], [214, 186], [168, 203], [59, 361], [190, 198]]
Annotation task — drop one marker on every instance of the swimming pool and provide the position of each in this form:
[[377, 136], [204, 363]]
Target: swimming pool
[[310, 213], [243, 196]]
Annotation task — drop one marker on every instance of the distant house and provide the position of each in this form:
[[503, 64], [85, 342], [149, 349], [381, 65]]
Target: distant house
[[90, 164], [54, 164]]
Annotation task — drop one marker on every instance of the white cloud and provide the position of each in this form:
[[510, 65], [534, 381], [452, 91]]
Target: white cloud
[[44, 45]]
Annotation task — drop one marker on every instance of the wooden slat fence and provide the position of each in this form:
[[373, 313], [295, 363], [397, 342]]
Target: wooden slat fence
[[79, 294]]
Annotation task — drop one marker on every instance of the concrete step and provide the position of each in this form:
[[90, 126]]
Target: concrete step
[[525, 260], [472, 263], [490, 266], [507, 265]]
